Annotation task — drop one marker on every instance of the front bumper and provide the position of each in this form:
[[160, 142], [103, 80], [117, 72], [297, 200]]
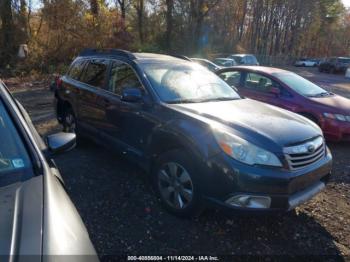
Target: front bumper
[[335, 130], [286, 189]]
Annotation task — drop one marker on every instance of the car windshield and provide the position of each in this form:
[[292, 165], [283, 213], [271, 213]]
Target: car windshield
[[301, 85], [187, 83], [221, 62], [238, 59], [15, 164]]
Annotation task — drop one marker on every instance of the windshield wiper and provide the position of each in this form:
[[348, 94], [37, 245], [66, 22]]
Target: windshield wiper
[[204, 100], [323, 94], [220, 99]]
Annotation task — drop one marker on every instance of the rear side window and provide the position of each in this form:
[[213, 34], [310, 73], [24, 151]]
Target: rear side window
[[123, 76], [76, 70], [96, 73], [233, 78], [258, 82]]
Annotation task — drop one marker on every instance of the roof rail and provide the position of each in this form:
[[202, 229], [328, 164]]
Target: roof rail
[[112, 51], [182, 57]]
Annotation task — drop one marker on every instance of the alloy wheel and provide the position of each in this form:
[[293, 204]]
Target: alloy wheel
[[175, 185]]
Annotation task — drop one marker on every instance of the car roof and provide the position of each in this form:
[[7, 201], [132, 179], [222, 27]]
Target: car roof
[[200, 59], [242, 55], [259, 69], [139, 57], [226, 59]]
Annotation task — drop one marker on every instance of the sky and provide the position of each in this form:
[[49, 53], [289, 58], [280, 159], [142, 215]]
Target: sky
[[346, 3]]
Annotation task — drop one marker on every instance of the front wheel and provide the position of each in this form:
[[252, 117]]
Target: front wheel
[[176, 184]]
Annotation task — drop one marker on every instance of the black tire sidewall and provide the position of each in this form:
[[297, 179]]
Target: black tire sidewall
[[189, 163], [67, 112]]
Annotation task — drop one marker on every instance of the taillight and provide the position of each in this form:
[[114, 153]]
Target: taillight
[[58, 82]]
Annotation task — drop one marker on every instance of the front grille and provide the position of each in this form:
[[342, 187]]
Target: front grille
[[306, 154]]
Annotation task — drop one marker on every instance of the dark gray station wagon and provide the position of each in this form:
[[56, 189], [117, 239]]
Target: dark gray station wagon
[[201, 142]]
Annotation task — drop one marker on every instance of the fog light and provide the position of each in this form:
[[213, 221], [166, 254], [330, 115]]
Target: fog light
[[248, 201]]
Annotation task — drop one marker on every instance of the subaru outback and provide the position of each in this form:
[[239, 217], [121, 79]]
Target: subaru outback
[[201, 142]]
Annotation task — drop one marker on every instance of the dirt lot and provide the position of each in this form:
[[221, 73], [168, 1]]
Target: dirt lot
[[122, 215]]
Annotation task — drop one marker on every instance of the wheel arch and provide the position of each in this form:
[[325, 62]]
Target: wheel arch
[[164, 141], [61, 107]]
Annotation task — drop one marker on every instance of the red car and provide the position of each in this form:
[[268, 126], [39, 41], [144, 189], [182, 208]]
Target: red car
[[292, 92]]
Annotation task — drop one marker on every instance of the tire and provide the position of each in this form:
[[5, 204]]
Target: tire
[[332, 70], [176, 183], [69, 124]]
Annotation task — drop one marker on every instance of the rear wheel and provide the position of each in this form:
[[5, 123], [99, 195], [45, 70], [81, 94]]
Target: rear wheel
[[69, 123], [175, 181]]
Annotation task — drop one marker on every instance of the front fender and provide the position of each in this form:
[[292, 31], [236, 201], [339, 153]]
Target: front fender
[[195, 137]]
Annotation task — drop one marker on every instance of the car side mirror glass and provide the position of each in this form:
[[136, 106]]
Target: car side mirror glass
[[132, 95], [61, 142], [274, 90]]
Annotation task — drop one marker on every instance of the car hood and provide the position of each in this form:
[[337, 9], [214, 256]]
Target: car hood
[[255, 121], [337, 104], [21, 218]]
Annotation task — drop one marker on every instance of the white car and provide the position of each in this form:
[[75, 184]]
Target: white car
[[306, 62]]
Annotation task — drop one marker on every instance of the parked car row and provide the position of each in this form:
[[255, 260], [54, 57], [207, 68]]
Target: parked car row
[[329, 65], [335, 65], [232, 60]]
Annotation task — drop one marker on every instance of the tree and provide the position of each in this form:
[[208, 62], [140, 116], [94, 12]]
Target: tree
[[139, 6], [7, 29], [169, 23]]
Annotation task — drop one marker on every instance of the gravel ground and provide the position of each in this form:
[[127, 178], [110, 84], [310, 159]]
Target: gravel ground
[[123, 216]]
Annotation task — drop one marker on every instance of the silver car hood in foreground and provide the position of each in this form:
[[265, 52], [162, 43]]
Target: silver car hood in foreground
[[38, 221], [21, 217]]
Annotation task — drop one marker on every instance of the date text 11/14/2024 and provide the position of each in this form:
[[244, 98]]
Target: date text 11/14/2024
[[173, 258]]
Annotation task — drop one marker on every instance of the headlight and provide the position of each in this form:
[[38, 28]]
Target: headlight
[[245, 152], [338, 117]]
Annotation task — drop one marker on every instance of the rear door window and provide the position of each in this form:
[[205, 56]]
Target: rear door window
[[96, 73], [76, 70]]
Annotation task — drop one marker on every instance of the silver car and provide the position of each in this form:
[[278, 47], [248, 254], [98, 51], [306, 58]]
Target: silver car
[[38, 221]]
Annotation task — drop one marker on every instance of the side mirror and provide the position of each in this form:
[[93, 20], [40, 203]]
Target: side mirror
[[61, 142], [132, 95], [275, 91]]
